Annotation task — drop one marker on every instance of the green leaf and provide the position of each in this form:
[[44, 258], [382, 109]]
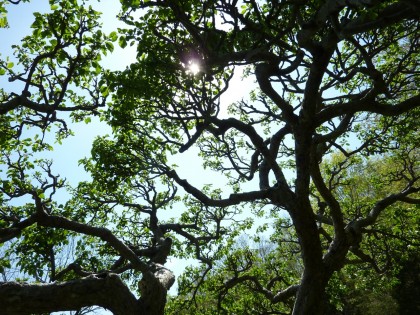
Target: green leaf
[[109, 46], [113, 36], [3, 22], [104, 91], [122, 42]]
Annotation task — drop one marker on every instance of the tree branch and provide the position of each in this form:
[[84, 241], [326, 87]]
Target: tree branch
[[280, 296], [367, 105], [392, 14], [108, 292], [233, 199], [381, 205], [103, 233]]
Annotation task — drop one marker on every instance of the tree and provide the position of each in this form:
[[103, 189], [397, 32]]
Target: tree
[[409, 285], [235, 285], [375, 271], [332, 76], [386, 245]]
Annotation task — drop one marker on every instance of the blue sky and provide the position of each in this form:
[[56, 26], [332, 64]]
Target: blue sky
[[74, 148], [65, 157]]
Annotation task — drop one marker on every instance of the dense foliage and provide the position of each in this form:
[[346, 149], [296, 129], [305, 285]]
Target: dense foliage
[[320, 157]]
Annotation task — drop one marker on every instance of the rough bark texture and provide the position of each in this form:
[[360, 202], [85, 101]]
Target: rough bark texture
[[154, 288], [108, 292], [311, 297]]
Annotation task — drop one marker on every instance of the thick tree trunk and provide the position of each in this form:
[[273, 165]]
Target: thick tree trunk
[[153, 288], [107, 291], [311, 296]]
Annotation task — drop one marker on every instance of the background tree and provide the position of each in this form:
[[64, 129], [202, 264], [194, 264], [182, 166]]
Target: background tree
[[332, 76], [374, 271]]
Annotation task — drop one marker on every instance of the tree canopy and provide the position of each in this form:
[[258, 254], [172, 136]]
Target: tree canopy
[[321, 157]]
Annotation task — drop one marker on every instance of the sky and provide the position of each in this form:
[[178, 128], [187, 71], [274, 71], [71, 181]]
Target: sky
[[65, 157], [20, 18], [74, 148]]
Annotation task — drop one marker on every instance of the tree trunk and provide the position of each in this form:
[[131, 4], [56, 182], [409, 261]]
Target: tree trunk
[[107, 291], [153, 289], [311, 296]]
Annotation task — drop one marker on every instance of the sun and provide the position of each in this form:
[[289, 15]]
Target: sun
[[194, 67]]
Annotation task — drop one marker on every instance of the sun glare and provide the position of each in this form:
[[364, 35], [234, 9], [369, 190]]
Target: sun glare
[[194, 67]]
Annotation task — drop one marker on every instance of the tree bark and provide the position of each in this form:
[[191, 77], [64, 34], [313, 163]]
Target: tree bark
[[311, 296], [153, 289], [108, 292]]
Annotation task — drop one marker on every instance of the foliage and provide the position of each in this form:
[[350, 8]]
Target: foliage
[[363, 286], [321, 157], [409, 285]]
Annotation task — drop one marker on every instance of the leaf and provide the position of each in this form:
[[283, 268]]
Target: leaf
[[3, 22], [122, 42], [104, 91], [113, 36], [109, 46]]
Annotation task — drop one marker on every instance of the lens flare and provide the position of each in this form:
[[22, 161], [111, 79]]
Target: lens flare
[[194, 67]]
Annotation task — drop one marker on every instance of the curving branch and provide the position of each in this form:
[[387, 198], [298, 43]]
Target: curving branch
[[234, 199], [108, 292], [20, 100], [390, 15], [333, 204], [103, 233], [274, 297], [269, 156], [381, 205], [15, 230], [367, 105], [263, 73]]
